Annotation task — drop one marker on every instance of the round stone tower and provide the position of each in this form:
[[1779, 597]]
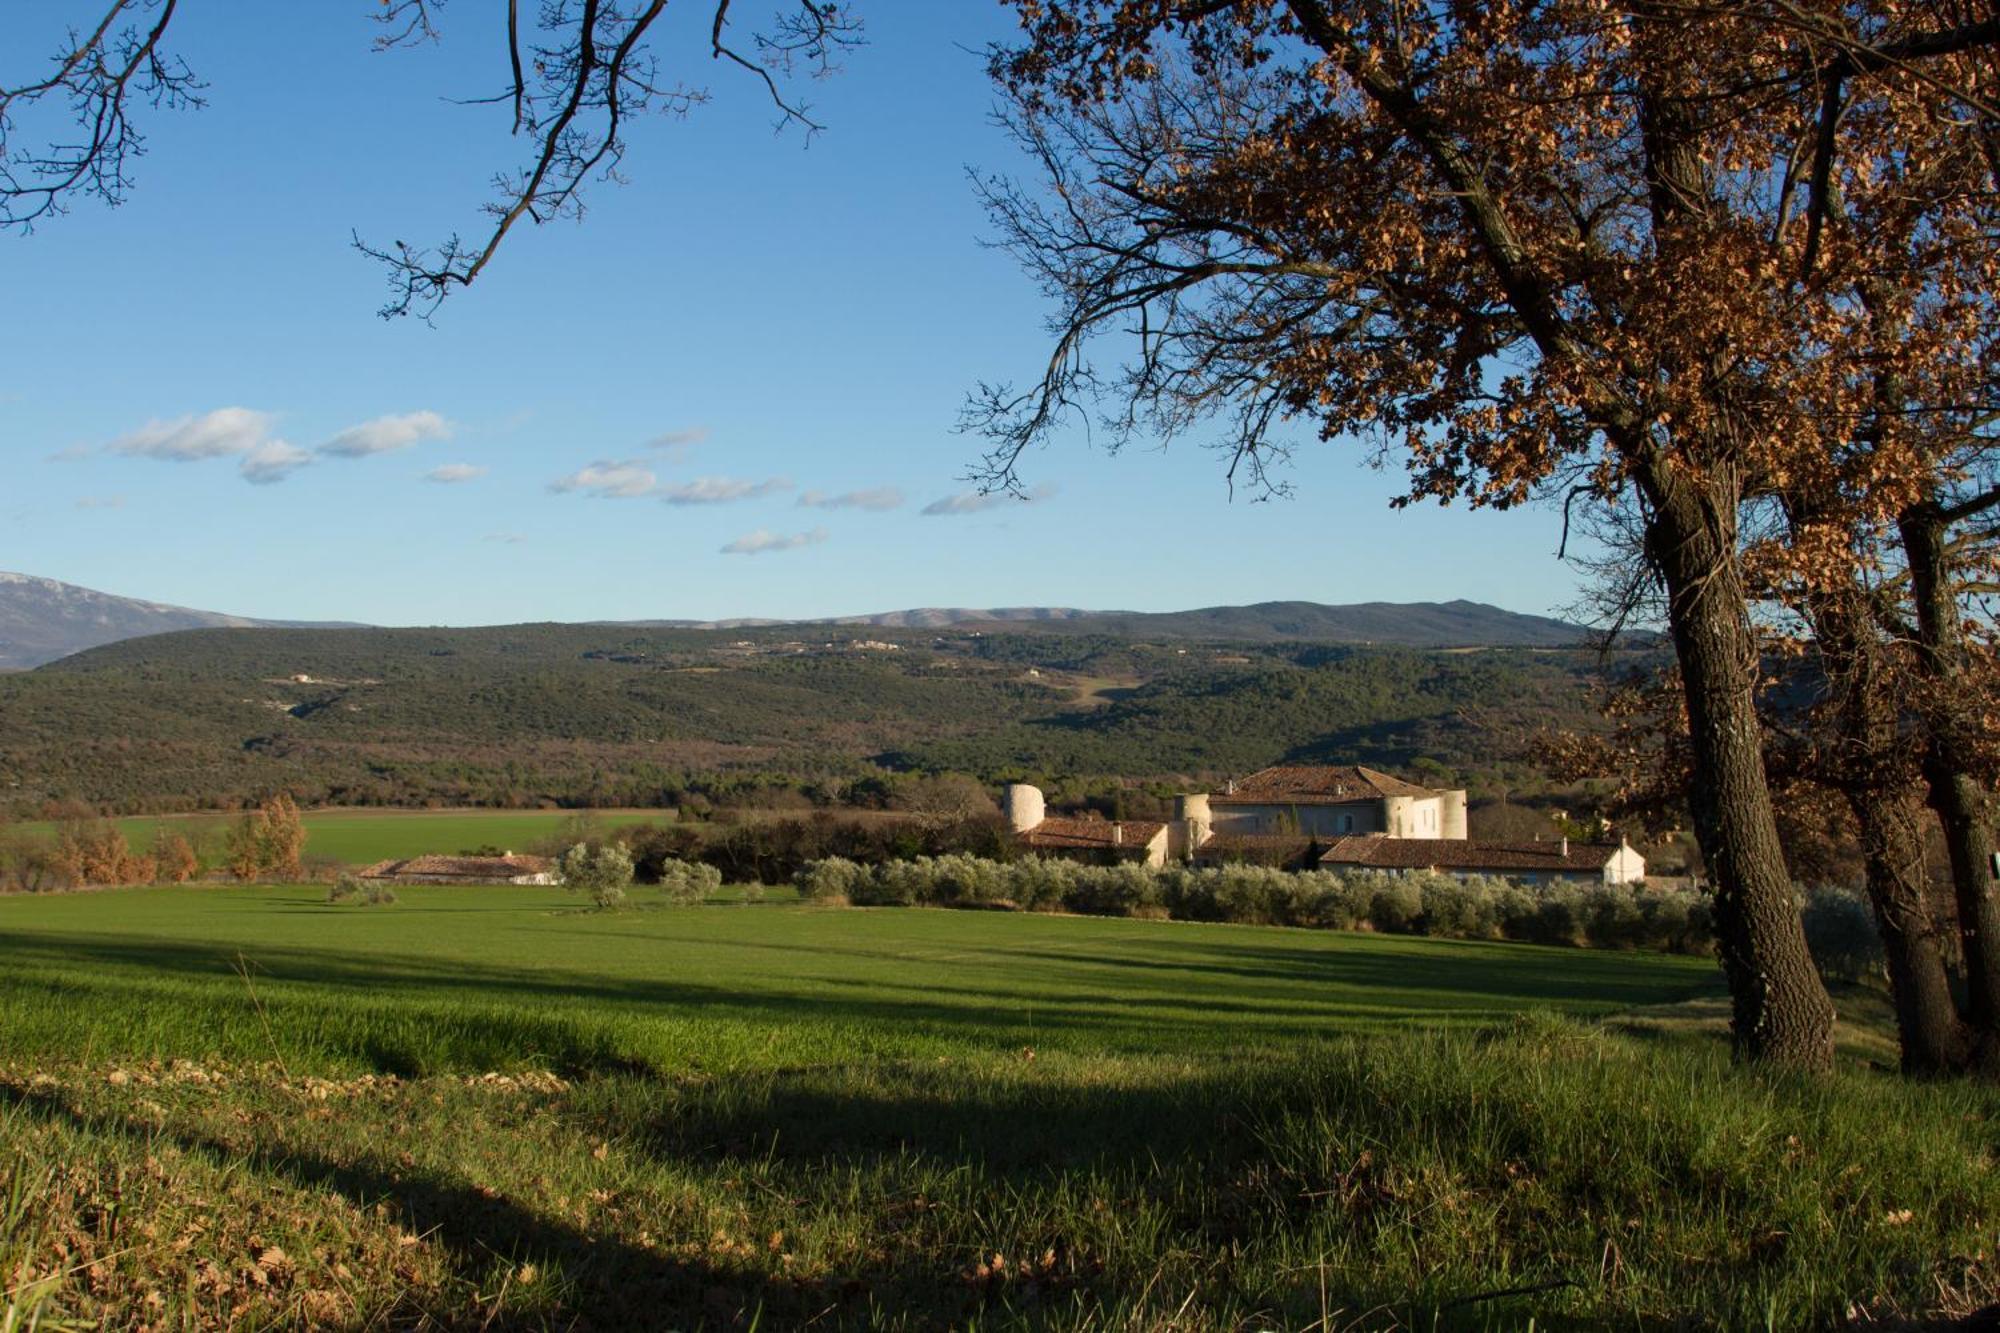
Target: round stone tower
[[1398, 819], [1025, 806], [1452, 825]]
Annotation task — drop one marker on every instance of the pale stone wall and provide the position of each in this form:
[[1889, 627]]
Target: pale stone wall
[[1025, 806]]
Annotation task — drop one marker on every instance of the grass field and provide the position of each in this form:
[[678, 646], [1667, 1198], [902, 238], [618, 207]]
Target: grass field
[[246, 1107], [358, 837], [454, 980]]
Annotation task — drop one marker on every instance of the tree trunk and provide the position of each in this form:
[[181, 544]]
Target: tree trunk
[[1781, 1012], [1961, 801], [1935, 1039], [1872, 761]]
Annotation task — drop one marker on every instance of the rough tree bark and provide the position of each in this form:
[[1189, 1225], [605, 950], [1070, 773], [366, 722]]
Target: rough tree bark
[[1782, 1013], [1961, 801], [1935, 1039], [1867, 755]]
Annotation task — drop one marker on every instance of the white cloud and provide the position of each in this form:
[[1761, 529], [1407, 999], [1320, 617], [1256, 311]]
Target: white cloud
[[678, 439], [722, 490], [451, 474], [609, 480], [70, 453], [101, 502], [877, 498], [385, 434], [972, 502], [763, 539], [271, 462], [223, 433]]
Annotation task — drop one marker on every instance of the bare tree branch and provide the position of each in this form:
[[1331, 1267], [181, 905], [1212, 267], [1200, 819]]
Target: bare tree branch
[[578, 74], [96, 79]]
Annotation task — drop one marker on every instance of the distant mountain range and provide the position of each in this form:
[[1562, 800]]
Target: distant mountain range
[[42, 620], [1456, 624]]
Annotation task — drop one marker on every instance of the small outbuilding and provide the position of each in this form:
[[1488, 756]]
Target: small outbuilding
[[433, 869]]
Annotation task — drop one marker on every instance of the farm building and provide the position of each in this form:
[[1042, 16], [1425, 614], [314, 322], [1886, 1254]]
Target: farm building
[[1088, 839], [1555, 861], [1336, 817], [1328, 800], [506, 869]]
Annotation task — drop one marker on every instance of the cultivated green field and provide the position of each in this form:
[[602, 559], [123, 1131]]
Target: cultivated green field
[[358, 837], [453, 980], [492, 1109]]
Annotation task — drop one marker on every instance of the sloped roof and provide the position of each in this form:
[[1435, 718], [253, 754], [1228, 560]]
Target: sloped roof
[[1316, 784], [461, 867], [1377, 851], [1092, 834], [1272, 848]]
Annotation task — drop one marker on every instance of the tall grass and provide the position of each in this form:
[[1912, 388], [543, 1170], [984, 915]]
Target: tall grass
[[1540, 1171]]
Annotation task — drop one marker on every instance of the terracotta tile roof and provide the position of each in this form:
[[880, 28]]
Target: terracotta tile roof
[[1376, 851], [1316, 784], [483, 869], [1262, 848], [1092, 834]]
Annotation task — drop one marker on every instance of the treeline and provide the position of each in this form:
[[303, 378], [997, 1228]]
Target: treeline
[[267, 842], [775, 851]]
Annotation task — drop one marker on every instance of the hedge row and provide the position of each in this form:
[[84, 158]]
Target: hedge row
[[1598, 916]]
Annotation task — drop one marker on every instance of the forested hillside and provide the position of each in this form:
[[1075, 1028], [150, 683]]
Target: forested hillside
[[580, 715]]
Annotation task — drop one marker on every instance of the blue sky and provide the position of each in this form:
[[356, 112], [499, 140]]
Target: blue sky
[[730, 391]]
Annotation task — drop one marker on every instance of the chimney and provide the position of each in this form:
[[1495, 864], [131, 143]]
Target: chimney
[[1117, 835], [1565, 850], [1229, 787]]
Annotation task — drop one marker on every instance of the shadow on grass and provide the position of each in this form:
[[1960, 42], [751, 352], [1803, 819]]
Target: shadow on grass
[[1187, 1141], [1166, 990], [961, 1168], [608, 1282]]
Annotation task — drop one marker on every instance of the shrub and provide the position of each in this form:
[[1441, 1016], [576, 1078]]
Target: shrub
[[1121, 890], [685, 883], [1604, 916], [1396, 905], [360, 893], [174, 855], [590, 867], [1459, 909], [607, 896], [1840, 932], [835, 879]]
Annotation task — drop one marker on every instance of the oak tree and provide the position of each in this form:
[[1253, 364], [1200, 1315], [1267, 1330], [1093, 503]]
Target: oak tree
[[1654, 253]]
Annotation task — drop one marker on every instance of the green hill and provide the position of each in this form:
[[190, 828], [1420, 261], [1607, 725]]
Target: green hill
[[609, 715]]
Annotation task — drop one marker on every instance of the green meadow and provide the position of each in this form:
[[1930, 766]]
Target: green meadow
[[494, 1108], [467, 980]]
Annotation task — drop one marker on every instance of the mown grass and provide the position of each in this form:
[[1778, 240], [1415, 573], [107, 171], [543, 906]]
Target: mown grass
[[782, 1117], [454, 980]]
